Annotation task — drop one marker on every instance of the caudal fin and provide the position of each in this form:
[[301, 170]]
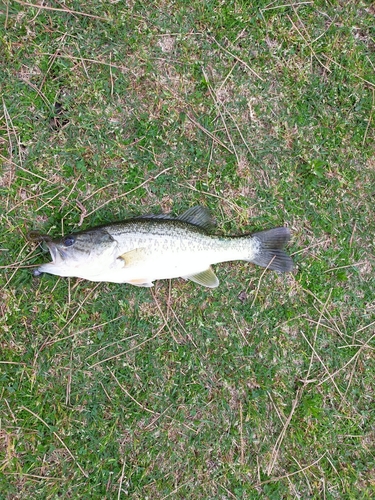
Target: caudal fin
[[270, 252]]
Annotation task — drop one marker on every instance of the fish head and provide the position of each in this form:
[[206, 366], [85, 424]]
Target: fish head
[[77, 254]]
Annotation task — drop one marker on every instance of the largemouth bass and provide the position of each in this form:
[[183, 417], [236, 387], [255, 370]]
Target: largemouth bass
[[147, 248]]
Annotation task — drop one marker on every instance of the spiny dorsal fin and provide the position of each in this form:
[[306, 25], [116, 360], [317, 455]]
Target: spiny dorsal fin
[[199, 216], [206, 278], [157, 216]]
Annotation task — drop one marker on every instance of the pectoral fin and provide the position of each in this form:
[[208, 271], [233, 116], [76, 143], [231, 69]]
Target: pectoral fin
[[206, 278], [133, 256]]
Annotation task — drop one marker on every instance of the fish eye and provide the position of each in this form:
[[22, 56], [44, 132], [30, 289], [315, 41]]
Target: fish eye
[[69, 240]]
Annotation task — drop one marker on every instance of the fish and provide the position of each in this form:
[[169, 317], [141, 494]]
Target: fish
[[143, 249]]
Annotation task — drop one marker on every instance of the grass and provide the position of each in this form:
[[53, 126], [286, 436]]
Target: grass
[[261, 111]]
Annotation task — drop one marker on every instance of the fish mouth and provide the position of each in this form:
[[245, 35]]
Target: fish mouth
[[53, 250], [56, 251]]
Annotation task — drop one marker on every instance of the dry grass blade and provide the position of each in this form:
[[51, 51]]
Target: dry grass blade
[[276, 479], [58, 438], [308, 43], [226, 490], [176, 489], [370, 117], [207, 132], [16, 265], [239, 131], [331, 318], [51, 199], [35, 476], [282, 6], [315, 335], [345, 267], [235, 207], [85, 59], [163, 316], [123, 195], [353, 358], [121, 480], [368, 82], [237, 59], [307, 380], [29, 172], [188, 335], [217, 105], [51, 340], [129, 350], [12, 363], [66, 11], [305, 475], [26, 200], [129, 395], [242, 441], [111, 344], [260, 282], [276, 448], [11, 131]]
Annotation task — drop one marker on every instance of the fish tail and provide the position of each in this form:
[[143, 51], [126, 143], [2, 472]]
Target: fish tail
[[270, 253]]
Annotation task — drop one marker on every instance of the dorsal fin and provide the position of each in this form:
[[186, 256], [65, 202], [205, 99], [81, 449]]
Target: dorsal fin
[[157, 216], [199, 216]]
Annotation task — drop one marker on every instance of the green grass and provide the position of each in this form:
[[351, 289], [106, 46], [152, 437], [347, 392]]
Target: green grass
[[262, 388]]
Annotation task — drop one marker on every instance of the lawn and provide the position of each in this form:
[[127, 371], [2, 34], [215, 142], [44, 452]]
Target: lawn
[[262, 112]]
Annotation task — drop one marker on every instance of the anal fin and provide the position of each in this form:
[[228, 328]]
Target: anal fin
[[206, 278], [140, 282]]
